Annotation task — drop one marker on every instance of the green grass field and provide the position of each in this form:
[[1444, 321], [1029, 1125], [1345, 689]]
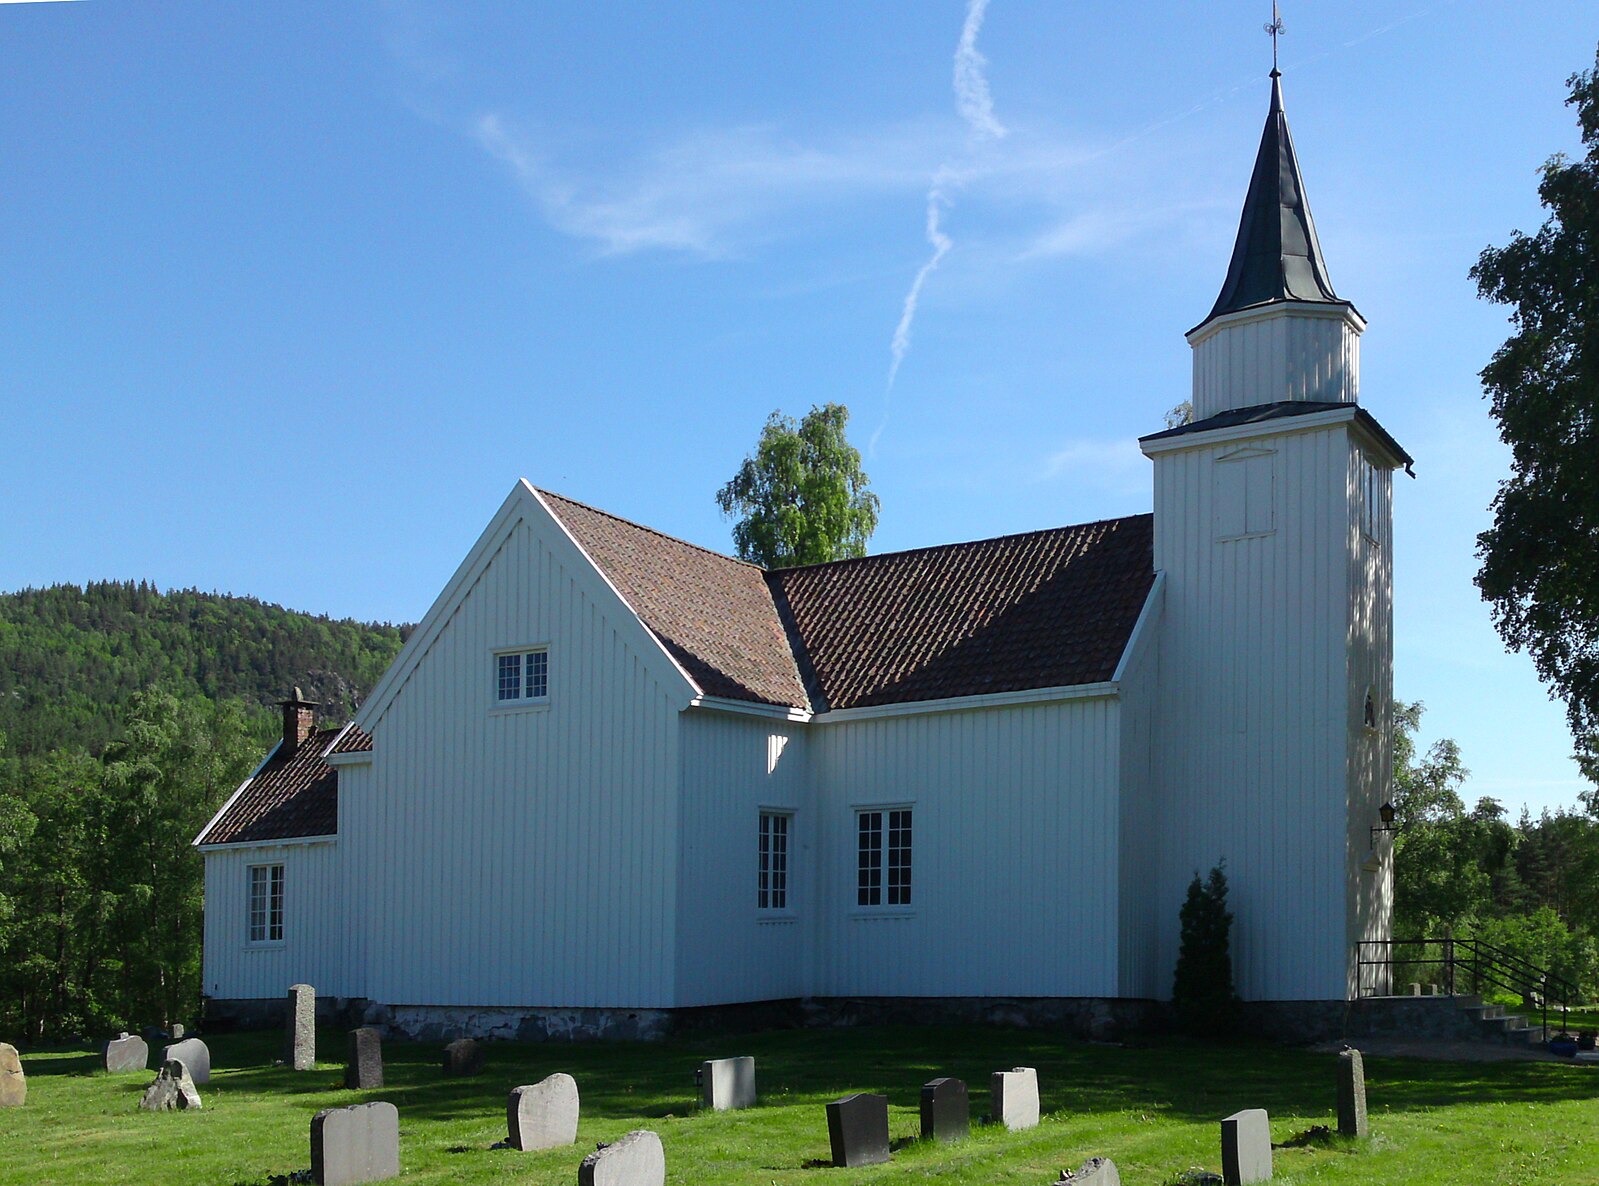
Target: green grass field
[[1153, 1108]]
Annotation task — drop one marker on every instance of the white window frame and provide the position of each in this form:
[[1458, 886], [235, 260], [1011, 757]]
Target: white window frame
[[884, 866], [271, 912], [774, 864], [526, 697]]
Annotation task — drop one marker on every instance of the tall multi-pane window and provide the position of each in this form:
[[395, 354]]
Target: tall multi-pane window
[[522, 675], [266, 903], [881, 834], [771, 886]]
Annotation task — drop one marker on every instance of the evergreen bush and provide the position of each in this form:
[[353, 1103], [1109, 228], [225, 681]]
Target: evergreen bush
[[1202, 988]]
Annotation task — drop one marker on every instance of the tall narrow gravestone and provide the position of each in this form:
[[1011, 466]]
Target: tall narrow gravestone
[[857, 1128], [728, 1083], [543, 1115], [194, 1054], [1351, 1094], [635, 1160], [1015, 1098], [355, 1144], [946, 1111], [299, 1028], [363, 1067], [13, 1083], [1246, 1147], [126, 1053]]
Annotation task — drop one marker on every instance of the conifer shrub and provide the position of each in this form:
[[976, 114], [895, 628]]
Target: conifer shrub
[[1202, 989]]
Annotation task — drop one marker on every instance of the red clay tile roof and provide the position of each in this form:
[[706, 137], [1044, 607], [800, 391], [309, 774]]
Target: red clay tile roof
[[1046, 609], [294, 794], [712, 613]]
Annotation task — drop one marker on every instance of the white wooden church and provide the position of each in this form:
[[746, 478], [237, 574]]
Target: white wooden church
[[614, 776]]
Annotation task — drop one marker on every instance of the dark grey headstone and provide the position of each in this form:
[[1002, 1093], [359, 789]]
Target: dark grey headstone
[[463, 1057], [173, 1089], [299, 1028], [13, 1083], [635, 1160], [1014, 1098], [1351, 1094], [360, 1143], [363, 1067], [194, 1054], [543, 1115], [728, 1083], [946, 1111], [857, 1127], [1246, 1147], [127, 1053]]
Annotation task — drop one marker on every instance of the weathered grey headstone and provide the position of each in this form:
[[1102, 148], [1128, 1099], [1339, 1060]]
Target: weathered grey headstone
[[946, 1111], [13, 1083], [363, 1066], [543, 1115], [192, 1053], [1351, 1094], [463, 1057], [126, 1053], [299, 1028], [1246, 1147], [173, 1089], [178, 1031], [635, 1160], [728, 1083], [1096, 1171], [1015, 1098], [1415, 988], [857, 1129], [360, 1143]]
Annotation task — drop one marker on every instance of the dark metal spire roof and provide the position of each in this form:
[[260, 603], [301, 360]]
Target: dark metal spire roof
[[1276, 257]]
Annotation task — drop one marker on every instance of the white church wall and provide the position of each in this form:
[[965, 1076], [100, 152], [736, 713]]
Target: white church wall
[[1254, 725], [1260, 356], [311, 950], [520, 856], [729, 949], [1014, 852], [1138, 823]]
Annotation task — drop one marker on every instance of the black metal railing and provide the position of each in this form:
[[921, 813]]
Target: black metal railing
[[1463, 966]]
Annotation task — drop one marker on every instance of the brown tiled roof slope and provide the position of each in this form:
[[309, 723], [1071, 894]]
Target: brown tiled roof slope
[[1041, 610], [295, 794], [712, 613]]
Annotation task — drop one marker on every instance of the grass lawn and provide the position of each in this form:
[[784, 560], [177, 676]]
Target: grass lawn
[[1154, 1109]]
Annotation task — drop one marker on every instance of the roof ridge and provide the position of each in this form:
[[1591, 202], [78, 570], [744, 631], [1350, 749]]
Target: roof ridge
[[651, 530]]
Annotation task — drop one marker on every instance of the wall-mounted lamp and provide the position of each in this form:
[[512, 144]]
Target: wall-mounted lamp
[[1386, 814]]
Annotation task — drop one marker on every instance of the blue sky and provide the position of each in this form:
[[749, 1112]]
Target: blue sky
[[295, 292]]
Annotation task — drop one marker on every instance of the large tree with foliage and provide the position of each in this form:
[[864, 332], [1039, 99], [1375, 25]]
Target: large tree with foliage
[[1540, 559], [802, 496]]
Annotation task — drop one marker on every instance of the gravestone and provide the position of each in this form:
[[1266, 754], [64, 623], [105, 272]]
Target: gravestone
[[1096, 1171], [178, 1031], [728, 1083], [1246, 1147], [360, 1143], [463, 1057], [126, 1053], [299, 1028], [173, 1089], [635, 1160], [194, 1054], [1415, 988], [1351, 1094], [543, 1115], [1014, 1098], [363, 1067], [857, 1128], [13, 1083], [946, 1111]]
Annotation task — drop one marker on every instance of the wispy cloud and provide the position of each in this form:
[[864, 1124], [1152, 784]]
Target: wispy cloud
[[972, 99], [1115, 465]]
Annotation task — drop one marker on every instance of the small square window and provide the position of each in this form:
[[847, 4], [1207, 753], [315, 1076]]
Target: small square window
[[522, 676]]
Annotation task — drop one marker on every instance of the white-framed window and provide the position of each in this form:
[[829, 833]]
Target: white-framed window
[[771, 881], [1371, 496], [266, 904], [883, 856], [522, 676], [1243, 493]]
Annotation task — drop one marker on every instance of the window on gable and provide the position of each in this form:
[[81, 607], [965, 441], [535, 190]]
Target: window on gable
[[266, 904], [1243, 494], [521, 676], [771, 887], [883, 838]]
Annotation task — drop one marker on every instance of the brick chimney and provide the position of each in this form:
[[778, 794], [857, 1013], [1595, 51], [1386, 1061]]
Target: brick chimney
[[299, 720]]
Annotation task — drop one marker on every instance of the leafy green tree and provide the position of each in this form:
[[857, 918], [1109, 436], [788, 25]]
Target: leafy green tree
[[1202, 987], [1540, 559], [802, 496]]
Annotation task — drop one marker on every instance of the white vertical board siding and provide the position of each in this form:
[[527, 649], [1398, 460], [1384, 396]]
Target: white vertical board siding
[[1138, 823], [733, 766], [1254, 714], [312, 951], [1014, 866], [1286, 352], [523, 856]]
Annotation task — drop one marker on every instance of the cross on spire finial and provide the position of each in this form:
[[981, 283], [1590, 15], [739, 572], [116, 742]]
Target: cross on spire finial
[[1276, 28]]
